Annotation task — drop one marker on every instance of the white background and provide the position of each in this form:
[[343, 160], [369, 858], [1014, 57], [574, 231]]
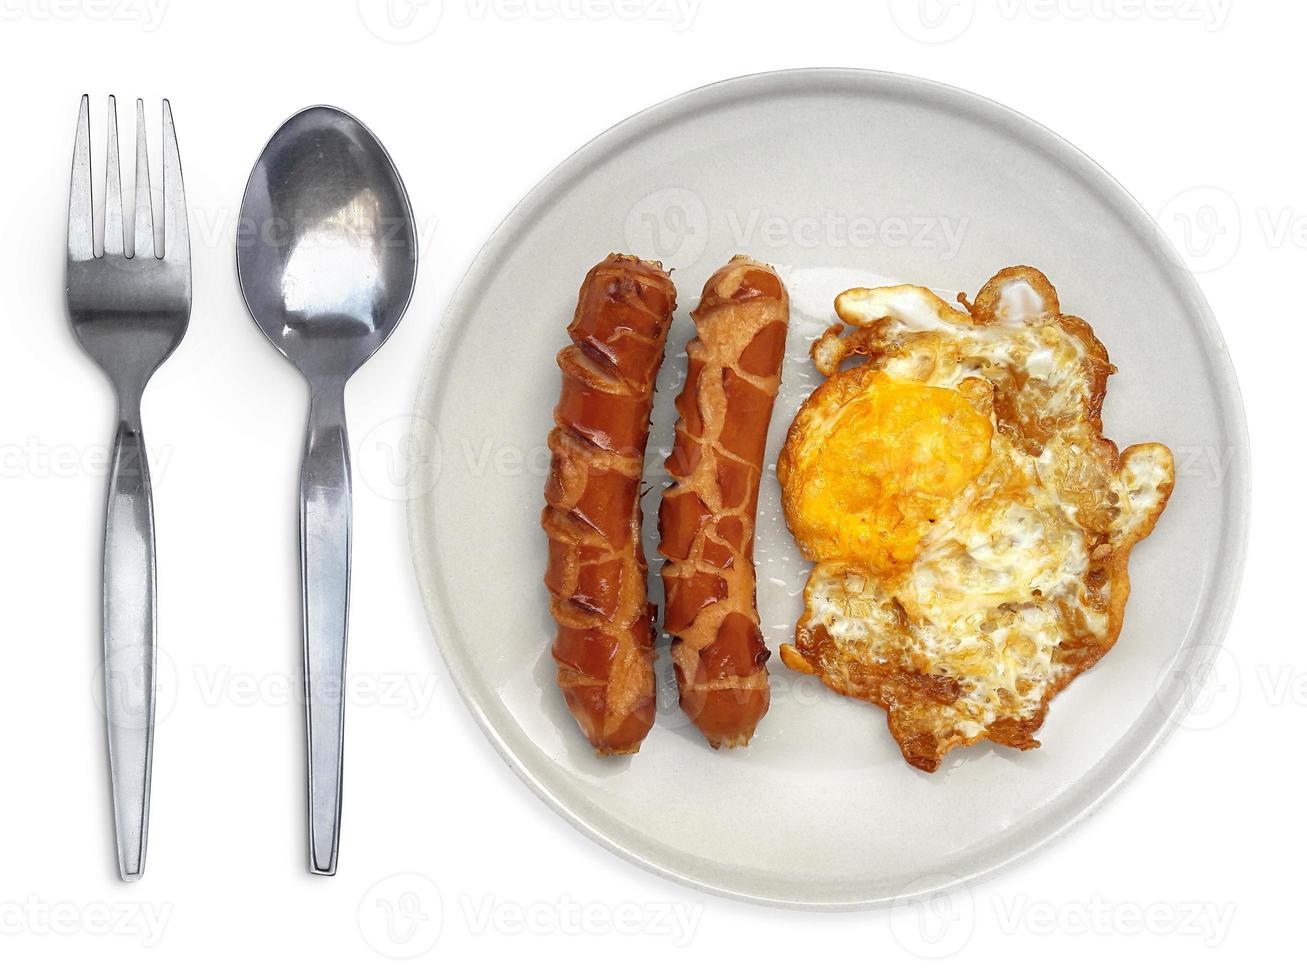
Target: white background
[[1194, 867]]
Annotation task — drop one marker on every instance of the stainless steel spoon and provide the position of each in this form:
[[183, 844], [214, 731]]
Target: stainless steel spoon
[[327, 257]]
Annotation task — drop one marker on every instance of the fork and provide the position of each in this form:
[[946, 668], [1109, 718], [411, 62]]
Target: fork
[[129, 311]]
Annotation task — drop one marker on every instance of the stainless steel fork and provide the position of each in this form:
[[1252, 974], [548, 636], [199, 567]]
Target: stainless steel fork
[[129, 310]]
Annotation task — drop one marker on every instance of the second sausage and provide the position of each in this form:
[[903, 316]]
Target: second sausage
[[706, 520]]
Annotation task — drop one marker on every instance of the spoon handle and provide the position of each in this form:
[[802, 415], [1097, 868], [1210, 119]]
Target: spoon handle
[[324, 568], [129, 644]]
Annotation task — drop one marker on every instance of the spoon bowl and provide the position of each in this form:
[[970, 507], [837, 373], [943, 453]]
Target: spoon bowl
[[326, 251]]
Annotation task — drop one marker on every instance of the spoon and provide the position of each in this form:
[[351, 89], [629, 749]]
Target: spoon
[[327, 256]]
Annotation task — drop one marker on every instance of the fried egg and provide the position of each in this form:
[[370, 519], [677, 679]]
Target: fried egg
[[969, 524]]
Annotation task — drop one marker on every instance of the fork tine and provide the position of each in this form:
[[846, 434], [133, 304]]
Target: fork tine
[[143, 226], [113, 194], [176, 228], [81, 234]]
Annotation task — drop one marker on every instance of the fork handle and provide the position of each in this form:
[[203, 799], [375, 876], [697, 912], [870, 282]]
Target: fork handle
[[129, 644], [325, 519]]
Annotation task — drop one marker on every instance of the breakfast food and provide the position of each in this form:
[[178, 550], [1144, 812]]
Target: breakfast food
[[706, 520], [970, 524], [596, 572]]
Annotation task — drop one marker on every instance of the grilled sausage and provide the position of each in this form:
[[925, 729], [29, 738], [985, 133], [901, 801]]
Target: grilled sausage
[[597, 571], [706, 520]]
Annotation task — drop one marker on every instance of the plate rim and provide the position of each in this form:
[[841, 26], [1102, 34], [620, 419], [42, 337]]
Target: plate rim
[[1212, 624]]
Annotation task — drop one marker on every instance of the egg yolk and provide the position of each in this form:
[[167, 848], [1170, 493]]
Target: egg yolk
[[888, 462]]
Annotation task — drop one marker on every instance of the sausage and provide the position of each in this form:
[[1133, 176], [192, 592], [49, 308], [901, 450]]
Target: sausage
[[706, 520], [596, 574]]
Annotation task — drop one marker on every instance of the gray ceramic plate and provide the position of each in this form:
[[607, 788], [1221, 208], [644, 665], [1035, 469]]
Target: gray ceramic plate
[[839, 178]]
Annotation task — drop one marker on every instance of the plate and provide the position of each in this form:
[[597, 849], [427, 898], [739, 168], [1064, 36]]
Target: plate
[[839, 178]]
